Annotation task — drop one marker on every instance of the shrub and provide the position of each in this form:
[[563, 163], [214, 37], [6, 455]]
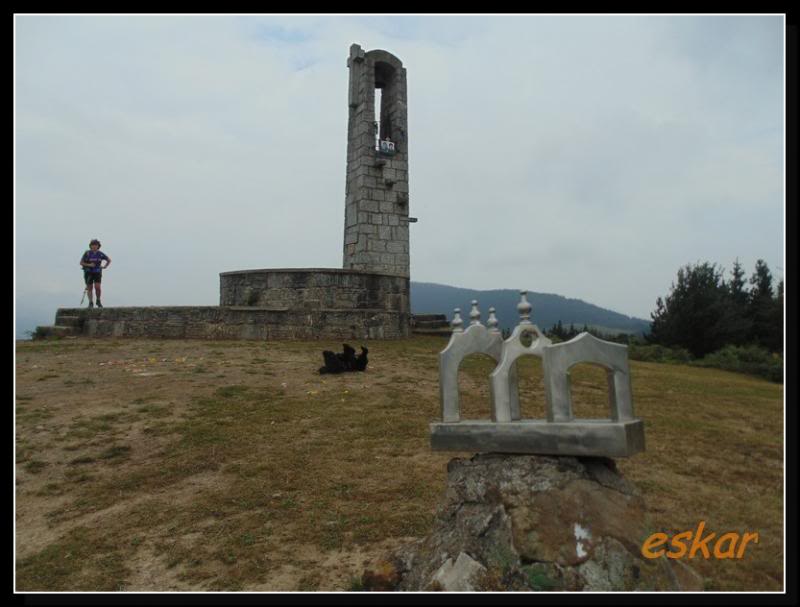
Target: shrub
[[40, 333], [656, 353], [753, 360]]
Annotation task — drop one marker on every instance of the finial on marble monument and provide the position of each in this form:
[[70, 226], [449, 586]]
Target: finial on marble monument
[[474, 313], [492, 322], [524, 308], [476, 339], [457, 323]]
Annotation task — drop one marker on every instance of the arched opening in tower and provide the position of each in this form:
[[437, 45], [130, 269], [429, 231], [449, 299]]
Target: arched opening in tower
[[377, 110], [384, 102]]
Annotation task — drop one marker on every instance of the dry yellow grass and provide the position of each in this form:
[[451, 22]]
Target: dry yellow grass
[[181, 465]]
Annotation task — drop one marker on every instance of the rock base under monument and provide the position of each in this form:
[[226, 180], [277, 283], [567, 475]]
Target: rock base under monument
[[533, 523]]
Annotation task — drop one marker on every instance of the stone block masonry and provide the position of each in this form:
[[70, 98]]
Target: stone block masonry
[[376, 235], [234, 322], [309, 289]]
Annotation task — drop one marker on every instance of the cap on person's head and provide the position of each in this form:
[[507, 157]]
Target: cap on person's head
[[94, 241]]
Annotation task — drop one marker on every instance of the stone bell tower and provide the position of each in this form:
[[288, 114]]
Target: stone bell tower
[[376, 194]]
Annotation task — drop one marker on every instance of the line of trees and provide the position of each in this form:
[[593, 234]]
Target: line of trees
[[704, 312], [564, 333], [708, 321], [559, 332]]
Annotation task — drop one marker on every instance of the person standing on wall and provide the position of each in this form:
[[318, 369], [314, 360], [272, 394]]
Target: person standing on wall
[[91, 262]]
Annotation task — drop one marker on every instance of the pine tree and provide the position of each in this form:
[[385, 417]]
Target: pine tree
[[696, 315], [571, 332], [741, 324], [761, 305], [737, 284], [775, 340], [557, 330]]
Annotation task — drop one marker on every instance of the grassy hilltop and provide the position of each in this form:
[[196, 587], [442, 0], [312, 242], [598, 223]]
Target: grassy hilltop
[[186, 465]]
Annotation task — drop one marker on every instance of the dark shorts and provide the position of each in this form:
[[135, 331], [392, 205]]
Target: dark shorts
[[91, 277]]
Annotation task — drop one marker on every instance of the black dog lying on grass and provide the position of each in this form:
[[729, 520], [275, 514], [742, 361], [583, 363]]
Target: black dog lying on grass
[[346, 361]]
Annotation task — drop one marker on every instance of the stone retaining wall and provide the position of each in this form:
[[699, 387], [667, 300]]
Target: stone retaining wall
[[234, 322], [315, 289]]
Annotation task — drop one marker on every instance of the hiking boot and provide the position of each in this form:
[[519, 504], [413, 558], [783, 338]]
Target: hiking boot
[[91, 305], [99, 305]]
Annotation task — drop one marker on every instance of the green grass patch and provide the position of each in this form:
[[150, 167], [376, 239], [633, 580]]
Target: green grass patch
[[116, 452], [35, 466], [33, 417], [51, 490], [85, 559], [48, 376], [152, 410]]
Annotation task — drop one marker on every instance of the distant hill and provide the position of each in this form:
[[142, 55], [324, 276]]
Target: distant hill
[[548, 309]]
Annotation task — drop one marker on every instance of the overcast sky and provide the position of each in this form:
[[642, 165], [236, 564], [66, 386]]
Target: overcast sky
[[585, 156]]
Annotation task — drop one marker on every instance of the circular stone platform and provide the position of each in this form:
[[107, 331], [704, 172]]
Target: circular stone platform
[[315, 289]]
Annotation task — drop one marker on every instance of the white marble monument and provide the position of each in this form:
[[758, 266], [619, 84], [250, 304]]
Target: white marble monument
[[620, 435]]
